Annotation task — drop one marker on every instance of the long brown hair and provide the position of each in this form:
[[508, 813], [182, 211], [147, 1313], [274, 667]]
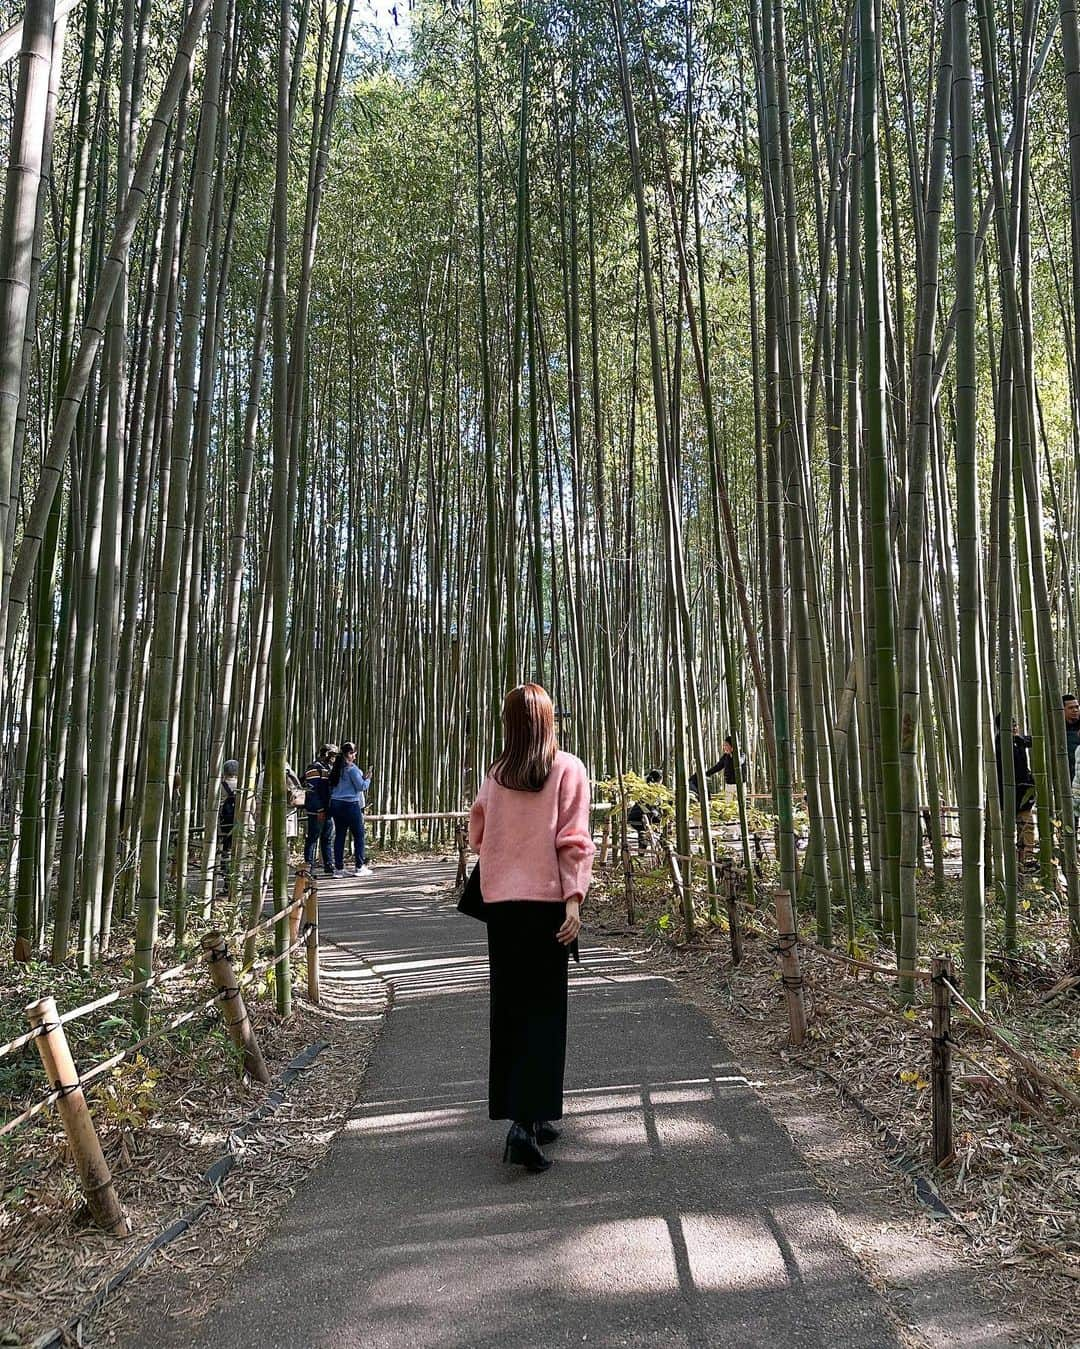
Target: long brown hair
[[529, 742], [339, 763]]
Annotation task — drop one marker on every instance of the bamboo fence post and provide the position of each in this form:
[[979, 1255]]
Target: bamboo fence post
[[60, 1070], [311, 925], [759, 852], [677, 883], [727, 888], [787, 951], [462, 839], [233, 1011], [299, 890], [941, 972], [605, 839]]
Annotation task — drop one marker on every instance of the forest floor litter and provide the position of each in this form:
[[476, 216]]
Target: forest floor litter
[[1015, 1183], [164, 1119]]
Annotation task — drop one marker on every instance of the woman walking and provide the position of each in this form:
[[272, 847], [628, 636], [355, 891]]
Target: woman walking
[[530, 825], [348, 788]]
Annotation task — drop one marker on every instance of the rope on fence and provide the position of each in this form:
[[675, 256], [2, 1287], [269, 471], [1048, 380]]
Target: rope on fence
[[163, 976], [100, 1069]]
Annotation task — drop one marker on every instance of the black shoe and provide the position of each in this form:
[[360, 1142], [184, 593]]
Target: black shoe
[[523, 1149], [547, 1132]]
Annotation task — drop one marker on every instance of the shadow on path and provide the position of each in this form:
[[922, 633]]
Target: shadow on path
[[676, 1214]]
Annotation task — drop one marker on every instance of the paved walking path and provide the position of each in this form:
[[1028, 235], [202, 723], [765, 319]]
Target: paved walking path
[[676, 1213]]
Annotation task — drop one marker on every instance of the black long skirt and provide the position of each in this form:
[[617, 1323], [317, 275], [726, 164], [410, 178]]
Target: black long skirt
[[528, 1011]]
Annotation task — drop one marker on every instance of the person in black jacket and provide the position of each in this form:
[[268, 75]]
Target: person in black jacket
[[729, 764], [320, 823], [1024, 783], [638, 814]]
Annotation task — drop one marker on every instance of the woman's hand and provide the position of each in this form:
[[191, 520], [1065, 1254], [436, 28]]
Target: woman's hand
[[572, 923]]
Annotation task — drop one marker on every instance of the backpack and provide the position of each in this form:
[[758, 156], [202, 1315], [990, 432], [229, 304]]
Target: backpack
[[227, 809]]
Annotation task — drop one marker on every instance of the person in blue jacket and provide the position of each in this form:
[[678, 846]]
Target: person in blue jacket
[[348, 796], [320, 827]]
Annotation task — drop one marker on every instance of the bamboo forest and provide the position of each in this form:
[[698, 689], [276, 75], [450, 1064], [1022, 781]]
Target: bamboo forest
[[714, 364]]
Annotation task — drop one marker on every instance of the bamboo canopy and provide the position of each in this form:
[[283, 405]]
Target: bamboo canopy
[[714, 364]]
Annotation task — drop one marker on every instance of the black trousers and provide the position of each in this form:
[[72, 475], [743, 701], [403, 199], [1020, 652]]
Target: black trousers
[[528, 1011]]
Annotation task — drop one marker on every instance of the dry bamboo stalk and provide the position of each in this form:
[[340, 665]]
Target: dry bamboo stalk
[[1012, 1051], [233, 1011], [311, 925], [864, 964], [787, 951], [60, 1070]]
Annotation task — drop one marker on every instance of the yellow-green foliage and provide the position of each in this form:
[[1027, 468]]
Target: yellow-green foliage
[[647, 794]]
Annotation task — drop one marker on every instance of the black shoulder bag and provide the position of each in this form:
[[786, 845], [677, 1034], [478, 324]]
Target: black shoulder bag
[[471, 899]]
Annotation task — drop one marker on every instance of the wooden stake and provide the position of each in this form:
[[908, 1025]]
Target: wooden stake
[[59, 1068], [233, 1011], [788, 957], [941, 969], [311, 921], [605, 839], [727, 889], [462, 839], [298, 891]]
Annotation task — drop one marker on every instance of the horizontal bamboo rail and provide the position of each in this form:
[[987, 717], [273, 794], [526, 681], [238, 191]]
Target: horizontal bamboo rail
[[162, 976], [853, 961], [1011, 1051], [445, 815], [308, 937]]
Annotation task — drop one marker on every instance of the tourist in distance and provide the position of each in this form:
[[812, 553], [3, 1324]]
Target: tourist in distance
[[348, 796], [530, 825], [1024, 784], [230, 773], [320, 825], [1071, 709], [638, 815], [729, 765]]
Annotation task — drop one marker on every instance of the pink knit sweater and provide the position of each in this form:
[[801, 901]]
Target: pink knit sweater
[[535, 845]]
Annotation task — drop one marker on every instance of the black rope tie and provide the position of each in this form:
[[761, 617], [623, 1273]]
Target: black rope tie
[[945, 1039], [63, 1089], [47, 1027], [786, 943], [792, 981], [218, 953], [307, 930], [228, 994]]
